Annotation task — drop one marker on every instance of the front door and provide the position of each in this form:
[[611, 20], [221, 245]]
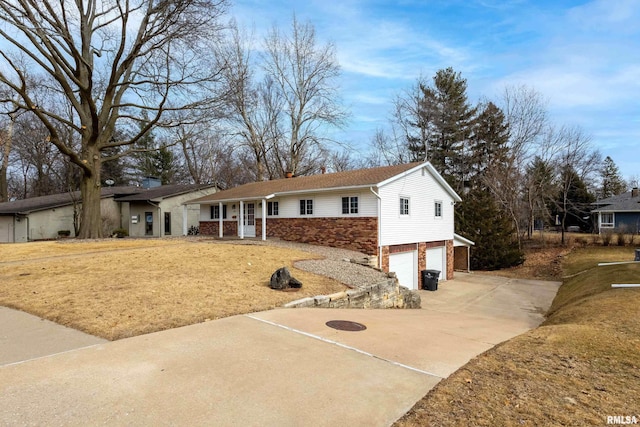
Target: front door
[[250, 220], [148, 223]]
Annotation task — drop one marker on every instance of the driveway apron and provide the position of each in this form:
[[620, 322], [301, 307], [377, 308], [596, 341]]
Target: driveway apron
[[280, 367]]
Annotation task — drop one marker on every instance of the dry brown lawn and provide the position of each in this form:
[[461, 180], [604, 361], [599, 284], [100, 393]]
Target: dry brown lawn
[[125, 287], [580, 366]]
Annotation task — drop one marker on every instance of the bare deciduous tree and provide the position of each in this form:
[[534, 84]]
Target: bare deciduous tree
[[116, 62], [304, 75]]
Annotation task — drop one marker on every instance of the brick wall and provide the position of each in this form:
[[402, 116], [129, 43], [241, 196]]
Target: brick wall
[[210, 228], [422, 256], [358, 234], [450, 259], [422, 261]]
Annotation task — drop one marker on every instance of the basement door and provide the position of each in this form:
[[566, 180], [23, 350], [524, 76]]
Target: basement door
[[405, 265]]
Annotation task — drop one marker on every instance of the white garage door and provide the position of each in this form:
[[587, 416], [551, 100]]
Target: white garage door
[[436, 260], [6, 229], [404, 264]]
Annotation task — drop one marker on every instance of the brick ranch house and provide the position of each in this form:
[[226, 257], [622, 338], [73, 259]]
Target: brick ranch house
[[402, 214]]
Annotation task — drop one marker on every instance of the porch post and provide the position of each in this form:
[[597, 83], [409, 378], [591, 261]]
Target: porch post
[[241, 220], [264, 219], [185, 219], [220, 223], [599, 222]]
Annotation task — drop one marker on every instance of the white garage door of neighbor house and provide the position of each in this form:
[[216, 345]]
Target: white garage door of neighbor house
[[437, 261], [6, 229], [404, 264]]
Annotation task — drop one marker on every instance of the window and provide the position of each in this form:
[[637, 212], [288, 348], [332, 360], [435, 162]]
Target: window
[[606, 220], [306, 207], [349, 205], [215, 212], [404, 206], [272, 208], [438, 209], [167, 223]]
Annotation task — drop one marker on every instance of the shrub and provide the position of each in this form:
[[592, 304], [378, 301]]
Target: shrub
[[120, 232], [606, 237], [621, 237]]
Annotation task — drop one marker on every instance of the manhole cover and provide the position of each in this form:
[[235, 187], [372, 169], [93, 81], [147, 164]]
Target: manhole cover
[[345, 325]]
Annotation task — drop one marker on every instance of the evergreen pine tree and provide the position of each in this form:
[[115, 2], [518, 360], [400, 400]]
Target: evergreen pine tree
[[445, 119], [612, 183], [478, 218]]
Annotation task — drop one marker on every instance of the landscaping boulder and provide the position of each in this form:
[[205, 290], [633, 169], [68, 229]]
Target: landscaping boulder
[[282, 279]]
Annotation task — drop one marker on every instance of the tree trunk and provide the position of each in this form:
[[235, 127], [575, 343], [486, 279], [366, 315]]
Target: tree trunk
[[4, 186], [6, 148], [90, 186]]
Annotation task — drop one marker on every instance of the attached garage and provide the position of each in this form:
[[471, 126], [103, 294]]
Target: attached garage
[[405, 265], [437, 260], [6, 229]]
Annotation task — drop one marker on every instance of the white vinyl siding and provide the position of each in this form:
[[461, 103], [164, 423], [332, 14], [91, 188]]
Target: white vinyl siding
[[327, 205], [420, 225]]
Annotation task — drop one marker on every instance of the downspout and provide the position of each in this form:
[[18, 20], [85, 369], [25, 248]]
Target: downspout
[[379, 208]]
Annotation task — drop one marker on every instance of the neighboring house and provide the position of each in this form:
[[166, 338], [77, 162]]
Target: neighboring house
[[621, 212], [160, 211], [402, 214], [156, 211], [41, 218]]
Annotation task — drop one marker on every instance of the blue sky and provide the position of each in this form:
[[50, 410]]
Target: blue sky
[[583, 57]]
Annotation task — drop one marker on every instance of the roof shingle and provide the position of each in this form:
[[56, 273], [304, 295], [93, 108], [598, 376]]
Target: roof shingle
[[354, 178]]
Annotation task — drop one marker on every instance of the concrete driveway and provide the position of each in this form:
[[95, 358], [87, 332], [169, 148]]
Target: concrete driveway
[[280, 367]]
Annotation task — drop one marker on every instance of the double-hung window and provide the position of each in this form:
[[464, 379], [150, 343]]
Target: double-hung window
[[606, 220], [404, 206], [438, 209], [272, 208], [215, 212], [349, 205], [306, 207]]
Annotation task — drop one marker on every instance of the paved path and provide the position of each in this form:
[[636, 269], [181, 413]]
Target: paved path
[[24, 337], [280, 367]]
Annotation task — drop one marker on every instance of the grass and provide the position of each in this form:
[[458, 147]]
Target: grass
[[126, 287], [580, 366]]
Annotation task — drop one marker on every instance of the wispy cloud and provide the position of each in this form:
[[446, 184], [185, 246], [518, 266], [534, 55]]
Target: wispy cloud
[[583, 57]]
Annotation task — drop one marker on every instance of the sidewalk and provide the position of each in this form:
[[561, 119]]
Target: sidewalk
[[282, 367]]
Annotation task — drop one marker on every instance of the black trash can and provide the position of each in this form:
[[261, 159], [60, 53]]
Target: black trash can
[[430, 279], [637, 255]]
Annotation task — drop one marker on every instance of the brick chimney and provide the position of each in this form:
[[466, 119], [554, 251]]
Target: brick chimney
[[635, 192], [323, 170]]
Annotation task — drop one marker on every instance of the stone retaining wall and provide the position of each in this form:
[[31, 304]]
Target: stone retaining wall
[[386, 294]]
